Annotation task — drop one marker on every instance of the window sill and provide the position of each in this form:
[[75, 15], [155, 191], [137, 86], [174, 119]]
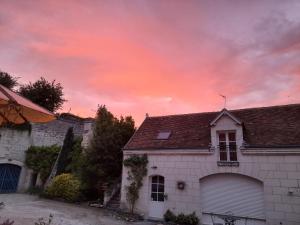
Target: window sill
[[228, 163]]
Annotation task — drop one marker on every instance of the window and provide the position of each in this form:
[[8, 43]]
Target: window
[[163, 135], [227, 146], [157, 189]]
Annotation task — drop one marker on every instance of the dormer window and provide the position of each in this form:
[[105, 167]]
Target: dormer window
[[163, 135], [227, 146]]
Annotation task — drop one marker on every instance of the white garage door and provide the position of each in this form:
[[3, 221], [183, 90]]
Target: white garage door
[[230, 194]]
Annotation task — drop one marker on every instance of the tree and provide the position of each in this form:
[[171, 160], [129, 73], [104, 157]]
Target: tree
[[77, 158], [44, 93], [64, 155], [8, 80], [104, 155]]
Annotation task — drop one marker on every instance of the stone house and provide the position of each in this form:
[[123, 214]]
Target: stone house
[[241, 165], [14, 175]]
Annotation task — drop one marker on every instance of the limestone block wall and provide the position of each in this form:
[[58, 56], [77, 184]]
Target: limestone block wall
[[280, 175], [87, 133], [54, 132], [14, 143]]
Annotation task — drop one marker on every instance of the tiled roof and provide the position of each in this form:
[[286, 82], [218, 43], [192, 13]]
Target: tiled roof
[[275, 126]]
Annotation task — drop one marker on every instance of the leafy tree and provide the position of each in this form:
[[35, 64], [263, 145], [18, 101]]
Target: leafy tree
[[8, 80], [41, 160], [44, 93], [77, 158], [104, 155], [67, 148]]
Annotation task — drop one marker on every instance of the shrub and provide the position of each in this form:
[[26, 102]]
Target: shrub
[[181, 219], [35, 190], [64, 186], [169, 216]]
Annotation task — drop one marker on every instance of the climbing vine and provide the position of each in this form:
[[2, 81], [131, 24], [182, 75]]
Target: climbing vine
[[41, 159], [137, 170]]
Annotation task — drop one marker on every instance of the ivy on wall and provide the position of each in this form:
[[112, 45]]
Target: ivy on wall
[[41, 160], [137, 170]]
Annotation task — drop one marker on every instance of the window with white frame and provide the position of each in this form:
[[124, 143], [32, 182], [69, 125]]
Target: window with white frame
[[227, 146], [157, 188]]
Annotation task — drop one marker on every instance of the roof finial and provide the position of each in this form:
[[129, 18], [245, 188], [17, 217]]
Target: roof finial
[[147, 115], [223, 96]]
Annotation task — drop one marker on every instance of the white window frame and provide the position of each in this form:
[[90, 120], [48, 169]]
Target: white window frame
[[227, 142]]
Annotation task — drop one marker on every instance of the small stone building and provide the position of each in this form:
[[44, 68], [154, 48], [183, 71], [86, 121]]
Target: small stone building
[[14, 175], [241, 165]]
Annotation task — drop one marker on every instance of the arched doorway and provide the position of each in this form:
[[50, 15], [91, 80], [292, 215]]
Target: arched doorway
[[157, 196], [9, 178], [232, 196]]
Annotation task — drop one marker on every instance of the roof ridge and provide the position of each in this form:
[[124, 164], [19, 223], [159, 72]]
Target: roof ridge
[[230, 110], [183, 114], [264, 107]]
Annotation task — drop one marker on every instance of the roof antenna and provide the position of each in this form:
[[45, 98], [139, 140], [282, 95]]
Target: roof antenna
[[223, 96]]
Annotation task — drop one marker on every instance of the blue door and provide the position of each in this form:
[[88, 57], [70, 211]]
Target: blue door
[[9, 178]]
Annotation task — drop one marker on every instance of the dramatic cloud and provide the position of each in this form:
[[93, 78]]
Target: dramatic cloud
[[159, 57]]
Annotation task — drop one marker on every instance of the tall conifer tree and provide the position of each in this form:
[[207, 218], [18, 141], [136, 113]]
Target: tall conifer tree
[[64, 156]]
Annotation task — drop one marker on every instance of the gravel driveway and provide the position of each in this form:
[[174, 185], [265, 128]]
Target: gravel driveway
[[26, 209]]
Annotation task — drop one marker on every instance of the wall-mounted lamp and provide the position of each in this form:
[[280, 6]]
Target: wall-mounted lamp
[[290, 191], [180, 185]]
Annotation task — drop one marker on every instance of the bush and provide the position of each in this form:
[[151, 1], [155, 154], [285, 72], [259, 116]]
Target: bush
[[181, 219], [64, 186], [35, 190], [169, 216]]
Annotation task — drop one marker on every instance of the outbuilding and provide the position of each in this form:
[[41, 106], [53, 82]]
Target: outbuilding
[[239, 165]]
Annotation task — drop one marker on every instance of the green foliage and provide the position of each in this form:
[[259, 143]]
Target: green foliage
[[104, 154], [44, 93], [137, 170], [41, 159], [77, 158], [169, 216], [67, 148], [8, 80], [35, 190], [182, 219], [65, 186]]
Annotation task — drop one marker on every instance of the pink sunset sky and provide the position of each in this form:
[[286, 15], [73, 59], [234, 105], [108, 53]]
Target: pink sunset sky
[[157, 57]]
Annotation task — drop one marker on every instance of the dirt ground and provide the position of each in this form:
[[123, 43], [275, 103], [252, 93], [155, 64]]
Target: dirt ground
[[27, 209]]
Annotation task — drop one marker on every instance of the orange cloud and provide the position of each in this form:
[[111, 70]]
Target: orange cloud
[[159, 57]]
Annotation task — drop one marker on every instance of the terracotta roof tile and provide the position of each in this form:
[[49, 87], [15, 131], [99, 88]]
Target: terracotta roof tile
[[275, 126]]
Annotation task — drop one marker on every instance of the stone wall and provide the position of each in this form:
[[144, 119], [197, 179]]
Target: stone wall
[[54, 132], [279, 174], [14, 143]]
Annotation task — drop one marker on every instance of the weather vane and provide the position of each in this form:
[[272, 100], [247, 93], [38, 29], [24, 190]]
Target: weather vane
[[223, 96]]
